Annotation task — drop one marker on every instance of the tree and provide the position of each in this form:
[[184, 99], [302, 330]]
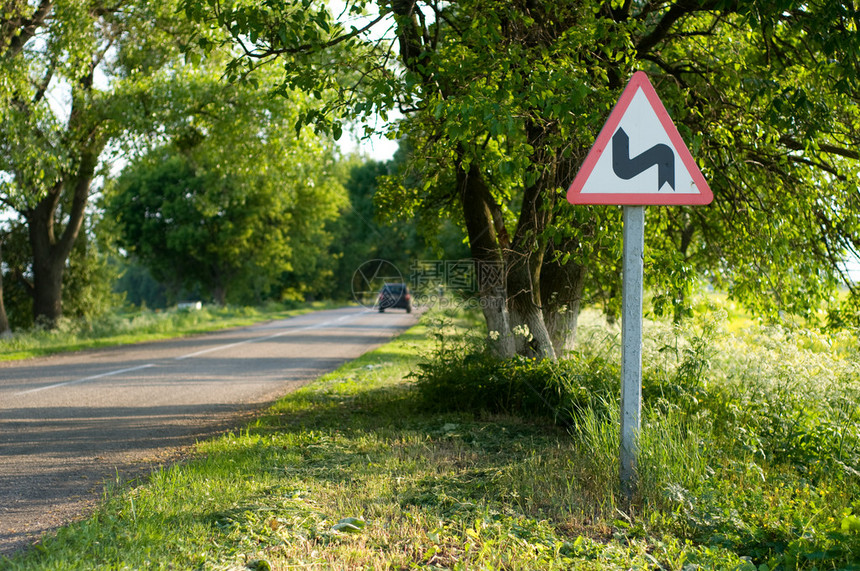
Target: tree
[[503, 99], [369, 229], [5, 330], [140, 289], [87, 280], [76, 78], [234, 203]]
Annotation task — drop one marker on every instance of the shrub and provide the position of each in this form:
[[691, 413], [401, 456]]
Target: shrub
[[463, 377]]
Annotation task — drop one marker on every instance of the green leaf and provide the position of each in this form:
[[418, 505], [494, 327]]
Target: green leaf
[[850, 523], [349, 525]]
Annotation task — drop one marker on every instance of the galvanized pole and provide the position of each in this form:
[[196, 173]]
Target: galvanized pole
[[631, 346]]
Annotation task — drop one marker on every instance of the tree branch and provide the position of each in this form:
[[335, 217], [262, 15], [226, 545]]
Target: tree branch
[[819, 165], [305, 48], [670, 18], [26, 28], [796, 145], [42, 87]]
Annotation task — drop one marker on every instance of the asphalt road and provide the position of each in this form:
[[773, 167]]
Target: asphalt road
[[71, 423]]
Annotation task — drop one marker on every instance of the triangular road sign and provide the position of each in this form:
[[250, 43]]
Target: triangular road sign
[[639, 157]]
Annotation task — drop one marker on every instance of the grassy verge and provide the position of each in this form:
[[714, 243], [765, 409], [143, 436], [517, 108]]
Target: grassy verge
[[356, 472], [124, 328]]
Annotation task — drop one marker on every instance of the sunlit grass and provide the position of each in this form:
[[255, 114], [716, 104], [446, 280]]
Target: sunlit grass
[[748, 461]]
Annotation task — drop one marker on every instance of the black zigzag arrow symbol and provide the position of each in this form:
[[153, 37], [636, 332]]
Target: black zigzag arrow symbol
[[626, 167]]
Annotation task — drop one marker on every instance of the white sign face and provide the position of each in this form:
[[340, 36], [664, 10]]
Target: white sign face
[[639, 157]]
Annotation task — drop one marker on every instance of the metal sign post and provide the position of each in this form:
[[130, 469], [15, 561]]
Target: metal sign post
[[631, 345]]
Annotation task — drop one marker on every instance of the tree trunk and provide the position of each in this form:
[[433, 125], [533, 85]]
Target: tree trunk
[[510, 296], [47, 290], [562, 286], [50, 252], [530, 332], [526, 255], [219, 294], [486, 232], [48, 265], [500, 338], [5, 330]]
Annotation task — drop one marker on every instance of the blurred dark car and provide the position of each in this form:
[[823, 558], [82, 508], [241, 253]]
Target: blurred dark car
[[394, 295]]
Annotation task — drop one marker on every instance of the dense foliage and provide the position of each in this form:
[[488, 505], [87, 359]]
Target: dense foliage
[[502, 100], [235, 207], [499, 102], [366, 233], [89, 90], [88, 278], [78, 78]]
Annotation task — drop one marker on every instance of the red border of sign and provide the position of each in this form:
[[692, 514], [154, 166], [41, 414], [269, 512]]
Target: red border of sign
[[574, 193]]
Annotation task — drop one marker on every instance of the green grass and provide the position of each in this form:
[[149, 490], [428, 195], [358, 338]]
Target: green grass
[[748, 461], [123, 328]]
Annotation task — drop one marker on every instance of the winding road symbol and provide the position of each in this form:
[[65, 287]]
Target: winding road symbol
[[627, 167]]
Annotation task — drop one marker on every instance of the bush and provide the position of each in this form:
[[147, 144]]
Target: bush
[[461, 375]]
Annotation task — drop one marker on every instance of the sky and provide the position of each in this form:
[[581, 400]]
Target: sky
[[852, 266], [377, 147]]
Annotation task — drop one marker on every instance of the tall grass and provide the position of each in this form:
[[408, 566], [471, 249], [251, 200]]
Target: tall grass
[[750, 439]]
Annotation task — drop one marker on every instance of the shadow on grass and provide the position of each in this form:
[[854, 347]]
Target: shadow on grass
[[448, 462]]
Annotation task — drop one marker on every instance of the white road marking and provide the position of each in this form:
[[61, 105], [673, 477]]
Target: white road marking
[[267, 337], [92, 378], [196, 353]]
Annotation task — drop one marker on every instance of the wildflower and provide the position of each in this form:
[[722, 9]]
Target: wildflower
[[523, 331]]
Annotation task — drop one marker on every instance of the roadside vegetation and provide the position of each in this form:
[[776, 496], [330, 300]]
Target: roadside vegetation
[[137, 325], [425, 454]]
